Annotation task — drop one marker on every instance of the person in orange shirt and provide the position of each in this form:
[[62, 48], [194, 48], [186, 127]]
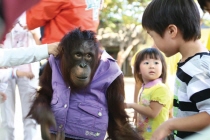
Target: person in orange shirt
[[61, 16], [57, 17]]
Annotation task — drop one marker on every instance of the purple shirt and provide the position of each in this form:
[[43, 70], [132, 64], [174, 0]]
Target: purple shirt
[[83, 114]]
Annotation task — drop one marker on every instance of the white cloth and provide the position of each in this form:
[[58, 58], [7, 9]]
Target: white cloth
[[3, 87], [5, 75], [202, 135], [18, 56], [19, 37], [27, 94]]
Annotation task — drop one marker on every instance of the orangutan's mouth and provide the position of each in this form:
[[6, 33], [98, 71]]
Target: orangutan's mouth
[[82, 78]]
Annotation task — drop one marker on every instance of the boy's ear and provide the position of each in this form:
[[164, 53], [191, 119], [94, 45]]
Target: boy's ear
[[172, 30]]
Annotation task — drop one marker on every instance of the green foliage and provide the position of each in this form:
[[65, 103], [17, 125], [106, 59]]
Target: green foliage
[[118, 13], [206, 22]]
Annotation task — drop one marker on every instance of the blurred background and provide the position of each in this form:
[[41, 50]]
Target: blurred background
[[121, 35]]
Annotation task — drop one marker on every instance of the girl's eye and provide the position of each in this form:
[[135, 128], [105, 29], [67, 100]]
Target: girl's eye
[[156, 63], [146, 63]]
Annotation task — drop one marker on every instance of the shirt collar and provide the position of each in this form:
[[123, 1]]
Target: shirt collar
[[152, 83]]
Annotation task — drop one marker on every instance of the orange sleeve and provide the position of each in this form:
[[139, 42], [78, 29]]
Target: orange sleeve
[[44, 11]]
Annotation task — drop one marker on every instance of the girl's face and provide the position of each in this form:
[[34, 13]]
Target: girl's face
[[150, 69]]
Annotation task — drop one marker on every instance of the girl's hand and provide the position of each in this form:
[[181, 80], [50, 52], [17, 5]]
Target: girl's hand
[[29, 75], [162, 131], [3, 96], [135, 119], [23, 26]]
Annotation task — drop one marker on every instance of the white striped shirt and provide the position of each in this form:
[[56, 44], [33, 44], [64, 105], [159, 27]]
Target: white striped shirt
[[192, 89]]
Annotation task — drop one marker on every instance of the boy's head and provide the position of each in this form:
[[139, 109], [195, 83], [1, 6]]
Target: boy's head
[[205, 5], [167, 18]]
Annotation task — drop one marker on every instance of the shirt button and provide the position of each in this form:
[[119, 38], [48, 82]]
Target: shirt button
[[65, 106], [99, 114], [60, 126], [97, 134]]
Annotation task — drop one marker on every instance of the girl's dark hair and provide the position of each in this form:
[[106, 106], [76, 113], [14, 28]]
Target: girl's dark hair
[[151, 53], [159, 14], [202, 4]]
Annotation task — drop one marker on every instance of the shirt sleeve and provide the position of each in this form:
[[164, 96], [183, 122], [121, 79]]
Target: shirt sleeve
[[19, 56], [44, 11], [198, 89], [161, 95]]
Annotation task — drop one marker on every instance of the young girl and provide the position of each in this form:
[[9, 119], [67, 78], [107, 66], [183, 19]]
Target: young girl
[[5, 75], [20, 37], [155, 97], [3, 97]]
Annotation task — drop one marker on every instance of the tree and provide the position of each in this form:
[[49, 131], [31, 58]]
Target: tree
[[121, 21]]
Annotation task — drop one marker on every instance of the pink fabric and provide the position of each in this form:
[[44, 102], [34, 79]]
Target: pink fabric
[[21, 38], [152, 83], [14, 8]]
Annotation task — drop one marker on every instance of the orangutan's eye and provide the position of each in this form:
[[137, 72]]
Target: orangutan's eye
[[78, 55], [88, 56]]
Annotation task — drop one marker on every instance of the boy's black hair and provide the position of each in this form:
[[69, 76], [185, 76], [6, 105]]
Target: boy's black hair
[[202, 3], [159, 14], [152, 53]]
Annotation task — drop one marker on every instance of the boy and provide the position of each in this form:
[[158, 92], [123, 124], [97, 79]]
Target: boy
[[174, 26], [205, 5]]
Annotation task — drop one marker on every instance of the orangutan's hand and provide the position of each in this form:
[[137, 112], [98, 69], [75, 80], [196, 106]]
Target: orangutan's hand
[[47, 120], [44, 116], [60, 135]]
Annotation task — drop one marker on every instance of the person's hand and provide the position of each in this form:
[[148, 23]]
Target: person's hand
[[162, 131], [23, 26], [3, 96], [127, 105], [135, 119], [29, 75], [53, 48]]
